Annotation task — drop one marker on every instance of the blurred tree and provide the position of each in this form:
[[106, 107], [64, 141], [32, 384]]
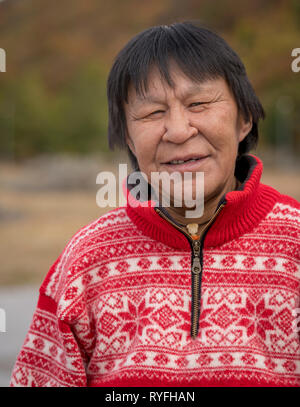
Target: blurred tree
[[71, 119]]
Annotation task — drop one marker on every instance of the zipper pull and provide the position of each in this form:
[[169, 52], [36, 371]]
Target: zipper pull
[[196, 266]]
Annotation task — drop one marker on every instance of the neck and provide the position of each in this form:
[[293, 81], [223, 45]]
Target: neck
[[210, 206]]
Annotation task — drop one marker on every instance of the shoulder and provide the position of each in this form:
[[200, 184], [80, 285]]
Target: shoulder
[[281, 223], [285, 208], [85, 249]]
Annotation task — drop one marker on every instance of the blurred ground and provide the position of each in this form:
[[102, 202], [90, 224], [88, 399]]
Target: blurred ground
[[42, 204], [45, 201]]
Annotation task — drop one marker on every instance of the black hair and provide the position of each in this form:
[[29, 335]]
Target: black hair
[[200, 53]]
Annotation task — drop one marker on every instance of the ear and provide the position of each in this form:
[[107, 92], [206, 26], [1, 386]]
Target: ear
[[244, 127]]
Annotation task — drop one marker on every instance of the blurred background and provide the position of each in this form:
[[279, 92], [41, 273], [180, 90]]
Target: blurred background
[[53, 117]]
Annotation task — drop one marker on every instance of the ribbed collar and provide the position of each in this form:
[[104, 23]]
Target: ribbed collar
[[243, 210]]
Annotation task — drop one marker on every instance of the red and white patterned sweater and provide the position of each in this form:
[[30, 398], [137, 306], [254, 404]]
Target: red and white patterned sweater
[[115, 308]]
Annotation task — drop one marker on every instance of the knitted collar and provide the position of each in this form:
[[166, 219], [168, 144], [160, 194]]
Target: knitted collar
[[243, 210]]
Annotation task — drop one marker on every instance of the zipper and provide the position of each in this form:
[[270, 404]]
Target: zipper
[[197, 262], [196, 266]]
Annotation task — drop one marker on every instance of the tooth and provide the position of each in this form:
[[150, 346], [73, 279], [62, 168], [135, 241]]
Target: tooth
[[182, 161], [177, 162]]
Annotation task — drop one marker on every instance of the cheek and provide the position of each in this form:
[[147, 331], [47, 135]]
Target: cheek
[[219, 129], [146, 140]]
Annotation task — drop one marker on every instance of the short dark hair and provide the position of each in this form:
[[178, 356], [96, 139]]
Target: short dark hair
[[200, 53]]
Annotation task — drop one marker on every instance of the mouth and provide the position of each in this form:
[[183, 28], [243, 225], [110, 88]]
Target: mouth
[[185, 160]]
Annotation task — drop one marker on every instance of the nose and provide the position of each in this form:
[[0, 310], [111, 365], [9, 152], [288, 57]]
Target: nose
[[178, 128]]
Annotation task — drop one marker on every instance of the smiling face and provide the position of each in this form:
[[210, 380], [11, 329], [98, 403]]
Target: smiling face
[[187, 128]]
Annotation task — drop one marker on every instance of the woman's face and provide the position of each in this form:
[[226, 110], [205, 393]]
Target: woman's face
[[191, 127]]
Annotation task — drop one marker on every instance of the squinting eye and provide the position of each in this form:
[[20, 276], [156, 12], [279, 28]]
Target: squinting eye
[[156, 112], [197, 104]]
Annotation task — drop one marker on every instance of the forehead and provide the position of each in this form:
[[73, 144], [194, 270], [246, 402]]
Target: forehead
[[182, 86]]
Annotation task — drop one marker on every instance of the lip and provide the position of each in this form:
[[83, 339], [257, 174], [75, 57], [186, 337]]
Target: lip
[[187, 166]]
